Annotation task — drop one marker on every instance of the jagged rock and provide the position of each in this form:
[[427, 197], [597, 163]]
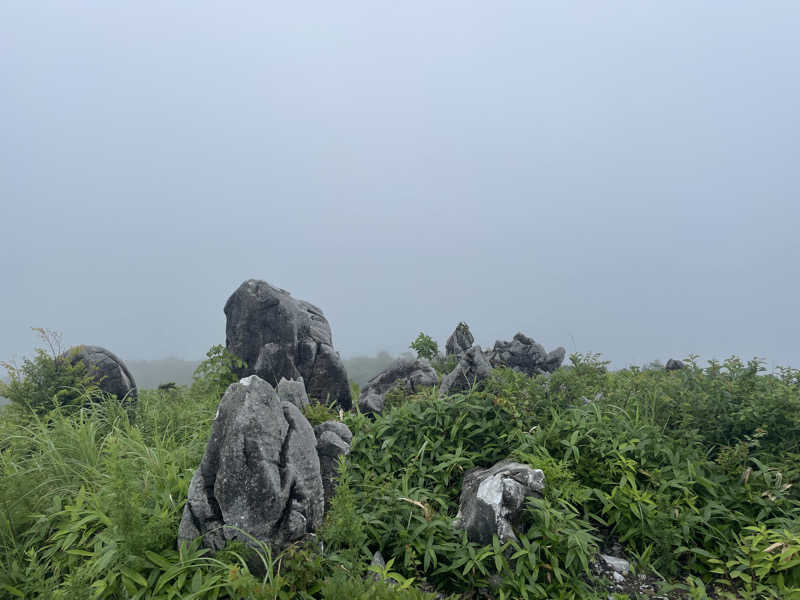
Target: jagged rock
[[371, 402], [260, 473], [280, 336], [406, 373], [472, 368], [293, 391], [491, 500], [377, 561], [554, 359], [460, 340], [337, 427], [333, 441], [107, 370], [523, 354], [674, 365]]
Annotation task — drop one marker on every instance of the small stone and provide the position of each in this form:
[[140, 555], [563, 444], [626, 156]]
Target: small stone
[[616, 564]]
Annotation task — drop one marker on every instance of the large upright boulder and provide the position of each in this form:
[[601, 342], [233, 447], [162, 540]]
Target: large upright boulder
[[460, 340], [524, 354], [492, 499], [279, 336], [471, 369], [407, 373], [106, 369], [260, 474]]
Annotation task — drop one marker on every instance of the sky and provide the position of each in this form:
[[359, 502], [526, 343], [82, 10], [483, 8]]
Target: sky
[[613, 177]]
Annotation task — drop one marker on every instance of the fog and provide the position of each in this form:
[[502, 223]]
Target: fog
[[611, 177]]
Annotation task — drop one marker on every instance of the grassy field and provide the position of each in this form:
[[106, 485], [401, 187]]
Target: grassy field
[[693, 472]]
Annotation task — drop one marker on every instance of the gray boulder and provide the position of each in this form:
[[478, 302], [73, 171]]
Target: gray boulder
[[106, 369], [674, 365], [260, 473], [524, 354], [371, 402], [472, 368], [280, 336], [460, 340], [292, 391], [492, 499], [333, 441], [406, 373]]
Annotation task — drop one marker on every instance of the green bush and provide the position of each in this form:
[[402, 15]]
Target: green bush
[[425, 347], [49, 380], [217, 371]]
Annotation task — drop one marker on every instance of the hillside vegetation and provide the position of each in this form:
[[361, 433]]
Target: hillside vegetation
[[693, 472]]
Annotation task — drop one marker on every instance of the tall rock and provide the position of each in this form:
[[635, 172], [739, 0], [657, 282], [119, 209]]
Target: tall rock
[[106, 368], [280, 336], [260, 475], [471, 369], [460, 340]]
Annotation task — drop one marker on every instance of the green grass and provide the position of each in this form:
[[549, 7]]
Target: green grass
[[694, 472]]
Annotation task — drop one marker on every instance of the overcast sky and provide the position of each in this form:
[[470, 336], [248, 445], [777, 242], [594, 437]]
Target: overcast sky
[[611, 177]]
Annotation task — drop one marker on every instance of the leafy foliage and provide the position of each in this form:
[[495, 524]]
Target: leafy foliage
[[217, 371], [694, 472], [48, 380], [425, 346]]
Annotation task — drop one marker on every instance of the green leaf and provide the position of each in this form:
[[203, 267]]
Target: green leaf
[[157, 560]]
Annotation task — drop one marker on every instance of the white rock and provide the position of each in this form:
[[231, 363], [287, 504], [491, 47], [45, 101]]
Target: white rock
[[616, 564]]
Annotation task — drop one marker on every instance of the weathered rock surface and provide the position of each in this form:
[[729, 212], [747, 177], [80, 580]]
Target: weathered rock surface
[[406, 373], [333, 441], [674, 365], [371, 402], [293, 391], [460, 340], [280, 336], [524, 354], [108, 370], [472, 368], [492, 499], [260, 473]]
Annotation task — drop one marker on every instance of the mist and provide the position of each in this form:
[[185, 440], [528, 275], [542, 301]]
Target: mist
[[618, 178]]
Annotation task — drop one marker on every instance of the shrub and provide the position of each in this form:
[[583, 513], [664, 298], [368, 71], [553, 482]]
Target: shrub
[[48, 380], [425, 347], [217, 371]]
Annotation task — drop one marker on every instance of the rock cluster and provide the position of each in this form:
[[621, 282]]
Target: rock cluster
[[406, 373], [279, 336], [524, 354], [106, 369], [492, 499]]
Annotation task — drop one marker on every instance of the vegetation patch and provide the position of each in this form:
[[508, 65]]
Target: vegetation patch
[[692, 472]]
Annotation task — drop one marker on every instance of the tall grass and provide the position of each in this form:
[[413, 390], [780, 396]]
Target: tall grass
[[694, 472]]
